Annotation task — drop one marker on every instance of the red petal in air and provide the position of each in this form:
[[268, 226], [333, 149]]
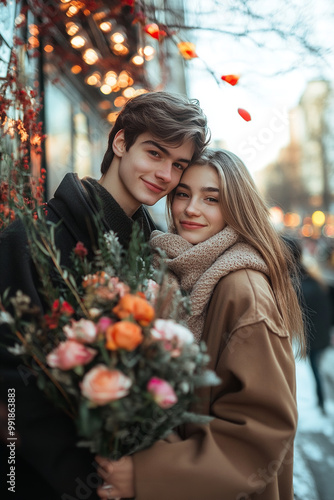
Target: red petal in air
[[244, 114], [231, 79]]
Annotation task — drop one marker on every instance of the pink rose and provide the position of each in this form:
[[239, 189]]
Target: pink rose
[[101, 385], [83, 330], [69, 354], [104, 323], [173, 335], [162, 392]]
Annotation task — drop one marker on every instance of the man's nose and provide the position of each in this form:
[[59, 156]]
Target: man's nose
[[165, 172]]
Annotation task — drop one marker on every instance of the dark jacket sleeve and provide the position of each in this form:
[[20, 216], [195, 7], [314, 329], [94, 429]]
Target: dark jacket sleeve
[[46, 437], [17, 271]]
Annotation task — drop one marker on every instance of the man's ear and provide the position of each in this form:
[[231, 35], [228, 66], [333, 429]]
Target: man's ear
[[118, 144]]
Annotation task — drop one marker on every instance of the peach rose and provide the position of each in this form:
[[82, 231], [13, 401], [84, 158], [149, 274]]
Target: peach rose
[[162, 392], [101, 385], [123, 335], [69, 354], [138, 307], [118, 286], [172, 334], [83, 330]]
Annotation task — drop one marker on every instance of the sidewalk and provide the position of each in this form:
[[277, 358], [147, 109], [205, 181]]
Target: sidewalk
[[314, 444]]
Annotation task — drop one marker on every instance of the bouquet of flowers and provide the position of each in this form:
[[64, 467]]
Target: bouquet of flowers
[[103, 352]]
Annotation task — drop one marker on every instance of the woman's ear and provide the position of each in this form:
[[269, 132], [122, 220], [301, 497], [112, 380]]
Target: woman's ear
[[118, 144]]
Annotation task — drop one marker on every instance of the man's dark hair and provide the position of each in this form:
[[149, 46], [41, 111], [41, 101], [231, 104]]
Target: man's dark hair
[[171, 118]]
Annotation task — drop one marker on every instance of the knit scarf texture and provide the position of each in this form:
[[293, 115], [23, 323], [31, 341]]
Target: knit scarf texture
[[198, 268]]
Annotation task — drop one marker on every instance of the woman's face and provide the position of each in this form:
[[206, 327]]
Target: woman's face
[[196, 208]]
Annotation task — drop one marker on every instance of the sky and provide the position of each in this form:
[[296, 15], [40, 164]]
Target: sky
[[267, 99]]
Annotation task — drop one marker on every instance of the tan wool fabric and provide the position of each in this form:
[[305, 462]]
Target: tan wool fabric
[[198, 268]]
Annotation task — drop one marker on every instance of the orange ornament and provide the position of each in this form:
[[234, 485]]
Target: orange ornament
[[123, 335], [244, 114], [154, 31], [231, 79], [187, 50]]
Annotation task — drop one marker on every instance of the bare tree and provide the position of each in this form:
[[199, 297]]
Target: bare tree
[[285, 30]]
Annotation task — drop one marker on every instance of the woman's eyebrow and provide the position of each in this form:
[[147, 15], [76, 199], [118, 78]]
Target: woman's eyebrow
[[203, 189], [210, 189]]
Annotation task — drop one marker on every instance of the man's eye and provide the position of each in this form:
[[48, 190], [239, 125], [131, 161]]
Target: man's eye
[[154, 153], [179, 166]]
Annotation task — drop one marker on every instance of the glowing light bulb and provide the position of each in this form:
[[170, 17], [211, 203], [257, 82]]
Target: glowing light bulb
[[90, 56], [112, 117], [72, 29], [111, 78], [78, 42], [105, 26], [129, 92], [76, 69], [33, 29], [318, 218], [72, 11], [105, 89], [137, 60], [33, 41], [117, 38], [119, 101]]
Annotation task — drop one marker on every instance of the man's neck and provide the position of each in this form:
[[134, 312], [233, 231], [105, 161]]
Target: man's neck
[[111, 182]]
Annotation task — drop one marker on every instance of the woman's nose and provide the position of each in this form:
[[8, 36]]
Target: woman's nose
[[192, 208]]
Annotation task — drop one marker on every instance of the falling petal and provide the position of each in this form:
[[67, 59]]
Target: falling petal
[[231, 79], [244, 114]]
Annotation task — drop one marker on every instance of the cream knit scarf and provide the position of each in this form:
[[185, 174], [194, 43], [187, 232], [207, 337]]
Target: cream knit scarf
[[198, 268]]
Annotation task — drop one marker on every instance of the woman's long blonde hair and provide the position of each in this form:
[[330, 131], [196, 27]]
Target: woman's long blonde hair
[[245, 211]]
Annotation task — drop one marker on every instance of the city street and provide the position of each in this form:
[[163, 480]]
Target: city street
[[314, 445]]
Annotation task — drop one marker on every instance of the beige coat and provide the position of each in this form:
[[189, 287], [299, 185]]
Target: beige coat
[[246, 452]]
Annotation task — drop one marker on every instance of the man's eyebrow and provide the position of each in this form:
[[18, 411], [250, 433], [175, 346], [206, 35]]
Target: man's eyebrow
[[203, 189], [165, 151]]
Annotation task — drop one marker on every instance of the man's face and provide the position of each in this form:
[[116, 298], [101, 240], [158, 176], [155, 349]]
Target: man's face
[[148, 171]]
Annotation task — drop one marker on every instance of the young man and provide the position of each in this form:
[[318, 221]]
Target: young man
[[153, 140]]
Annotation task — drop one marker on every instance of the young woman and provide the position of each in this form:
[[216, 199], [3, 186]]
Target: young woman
[[224, 252]]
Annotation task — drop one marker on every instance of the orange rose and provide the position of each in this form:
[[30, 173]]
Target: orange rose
[[123, 335], [136, 306]]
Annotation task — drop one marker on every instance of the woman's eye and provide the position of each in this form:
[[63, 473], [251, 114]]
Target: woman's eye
[[214, 200], [181, 194]]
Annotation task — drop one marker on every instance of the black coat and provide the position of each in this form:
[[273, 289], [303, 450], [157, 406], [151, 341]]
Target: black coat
[[317, 310], [48, 464]]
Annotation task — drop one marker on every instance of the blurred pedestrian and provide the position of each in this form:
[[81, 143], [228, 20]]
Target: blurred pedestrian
[[316, 303]]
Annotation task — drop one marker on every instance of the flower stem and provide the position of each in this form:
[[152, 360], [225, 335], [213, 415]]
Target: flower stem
[[66, 280]]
